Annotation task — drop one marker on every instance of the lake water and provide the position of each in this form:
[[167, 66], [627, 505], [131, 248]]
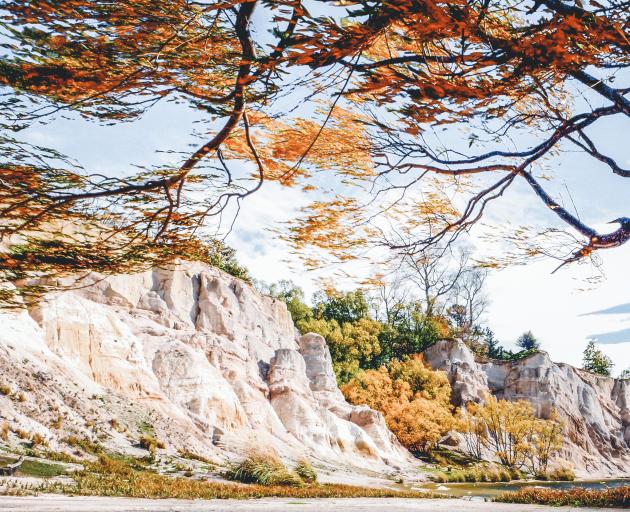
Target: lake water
[[491, 489]]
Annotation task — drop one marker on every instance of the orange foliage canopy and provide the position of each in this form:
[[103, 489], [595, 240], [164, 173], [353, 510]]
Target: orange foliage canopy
[[374, 81]]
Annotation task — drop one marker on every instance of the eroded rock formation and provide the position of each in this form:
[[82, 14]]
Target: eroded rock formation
[[594, 408], [191, 354]]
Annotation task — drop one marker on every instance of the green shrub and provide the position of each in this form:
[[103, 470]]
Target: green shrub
[[263, 469], [305, 471]]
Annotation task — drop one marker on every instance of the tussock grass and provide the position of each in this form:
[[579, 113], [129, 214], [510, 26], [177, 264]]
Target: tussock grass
[[562, 474], [195, 456], [576, 497], [476, 474], [263, 469], [109, 477], [148, 442], [306, 471]]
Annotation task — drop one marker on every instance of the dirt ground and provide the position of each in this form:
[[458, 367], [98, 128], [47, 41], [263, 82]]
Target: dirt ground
[[49, 503]]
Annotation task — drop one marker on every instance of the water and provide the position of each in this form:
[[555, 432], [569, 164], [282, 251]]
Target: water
[[491, 489]]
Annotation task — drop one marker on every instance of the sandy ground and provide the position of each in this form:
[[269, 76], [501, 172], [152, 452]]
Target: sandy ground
[[49, 503]]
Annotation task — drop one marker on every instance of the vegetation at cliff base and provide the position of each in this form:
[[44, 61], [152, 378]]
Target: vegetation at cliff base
[[615, 497], [264, 469], [121, 477], [414, 399]]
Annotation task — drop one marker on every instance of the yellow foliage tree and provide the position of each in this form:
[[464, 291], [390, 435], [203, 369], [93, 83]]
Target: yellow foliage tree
[[413, 398], [512, 431]]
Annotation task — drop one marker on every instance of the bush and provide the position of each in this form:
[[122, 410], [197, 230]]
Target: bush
[[38, 440], [562, 474], [151, 443], [306, 472], [5, 390], [263, 469], [476, 474], [576, 497], [413, 398]]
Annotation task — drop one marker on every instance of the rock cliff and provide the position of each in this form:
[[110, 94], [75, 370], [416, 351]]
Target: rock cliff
[[595, 409], [190, 355]]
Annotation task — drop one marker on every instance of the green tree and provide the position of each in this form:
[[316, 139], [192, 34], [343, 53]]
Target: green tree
[[342, 306], [408, 330], [527, 341], [292, 295], [353, 345], [625, 375], [493, 345], [596, 361]]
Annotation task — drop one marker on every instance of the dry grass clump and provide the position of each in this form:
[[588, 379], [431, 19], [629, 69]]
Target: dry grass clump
[[263, 469], [477, 474], [195, 456], [562, 474], [4, 431], [5, 390], [575, 497], [305, 471], [150, 443], [109, 477], [38, 440]]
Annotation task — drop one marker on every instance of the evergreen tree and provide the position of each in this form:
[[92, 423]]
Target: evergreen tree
[[596, 361], [527, 341], [493, 346]]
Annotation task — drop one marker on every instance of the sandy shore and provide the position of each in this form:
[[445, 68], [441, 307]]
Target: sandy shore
[[50, 503]]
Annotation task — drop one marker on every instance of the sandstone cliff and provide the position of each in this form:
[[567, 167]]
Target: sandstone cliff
[[191, 355], [596, 409]]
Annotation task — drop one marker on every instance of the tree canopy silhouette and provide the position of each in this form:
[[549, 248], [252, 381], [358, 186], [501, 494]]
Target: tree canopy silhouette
[[383, 77]]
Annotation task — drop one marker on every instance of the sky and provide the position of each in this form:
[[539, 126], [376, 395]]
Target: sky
[[564, 310]]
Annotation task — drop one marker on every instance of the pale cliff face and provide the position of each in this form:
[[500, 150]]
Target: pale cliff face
[[211, 365], [595, 409]]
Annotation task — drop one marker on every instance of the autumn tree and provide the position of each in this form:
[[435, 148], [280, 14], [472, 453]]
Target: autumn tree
[[511, 431], [544, 441], [414, 399], [381, 85]]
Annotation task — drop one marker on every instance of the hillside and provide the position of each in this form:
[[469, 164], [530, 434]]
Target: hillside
[[190, 356]]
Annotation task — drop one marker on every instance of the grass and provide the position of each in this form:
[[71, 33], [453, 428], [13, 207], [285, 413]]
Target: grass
[[475, 474], [41, 469], [305, 471], [109, 477], [185, 454], [263, 469], [558, 475], [148, 442], [576, 497]]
